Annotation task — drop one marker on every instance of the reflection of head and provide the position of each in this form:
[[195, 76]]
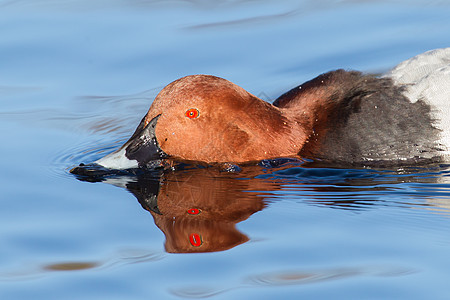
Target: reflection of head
[[197, 211], [190, 235]]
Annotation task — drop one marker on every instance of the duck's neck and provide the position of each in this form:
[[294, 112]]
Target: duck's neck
[[323, 103]]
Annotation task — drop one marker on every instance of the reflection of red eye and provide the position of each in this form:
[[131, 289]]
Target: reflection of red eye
[[195, 239], [192, 113]]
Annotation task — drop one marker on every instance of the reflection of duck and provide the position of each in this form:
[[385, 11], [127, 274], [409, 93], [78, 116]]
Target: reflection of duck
[[197, 210], [343, 116]]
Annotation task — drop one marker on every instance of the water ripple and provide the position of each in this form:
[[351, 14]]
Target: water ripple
[[299, 277], [118, 260], [292, 277]]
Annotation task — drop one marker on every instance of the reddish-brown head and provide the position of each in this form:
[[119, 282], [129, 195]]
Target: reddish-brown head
[[207, 118]]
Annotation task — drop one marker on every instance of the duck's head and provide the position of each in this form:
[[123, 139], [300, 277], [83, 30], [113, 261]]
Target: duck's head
[[202, 118]]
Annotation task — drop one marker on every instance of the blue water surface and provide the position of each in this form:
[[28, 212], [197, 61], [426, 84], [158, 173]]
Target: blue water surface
[[77, 76]]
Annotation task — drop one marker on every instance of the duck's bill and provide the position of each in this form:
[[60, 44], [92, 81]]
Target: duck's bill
[[96, 173], [141, 150]]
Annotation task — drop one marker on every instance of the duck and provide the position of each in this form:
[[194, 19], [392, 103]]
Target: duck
[[344, 116]]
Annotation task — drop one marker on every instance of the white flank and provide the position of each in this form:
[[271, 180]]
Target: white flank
[[427, 77]]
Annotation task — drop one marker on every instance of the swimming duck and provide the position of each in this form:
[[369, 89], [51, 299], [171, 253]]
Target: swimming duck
[[342, 116]]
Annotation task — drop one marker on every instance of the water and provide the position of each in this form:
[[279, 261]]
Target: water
[[77, 76]]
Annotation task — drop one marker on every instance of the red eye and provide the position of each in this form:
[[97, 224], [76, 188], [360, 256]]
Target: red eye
[[193, 211], [192, 113]]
